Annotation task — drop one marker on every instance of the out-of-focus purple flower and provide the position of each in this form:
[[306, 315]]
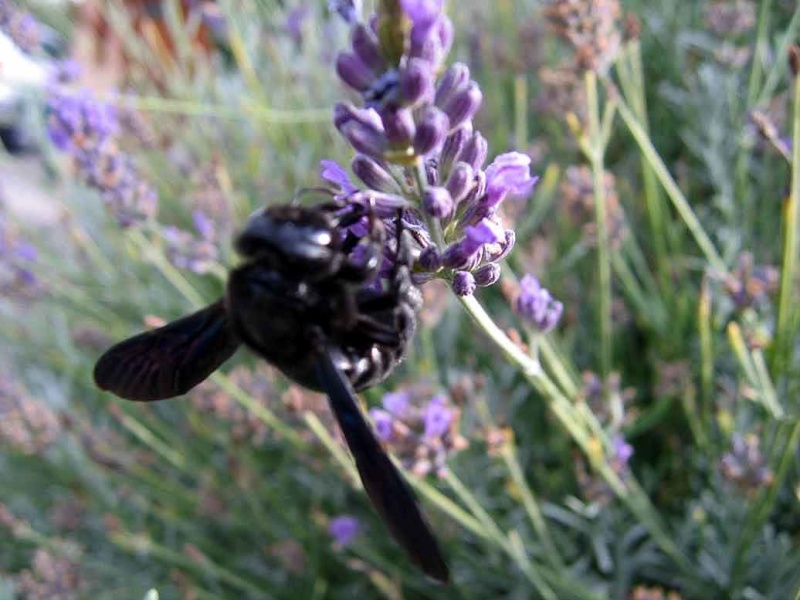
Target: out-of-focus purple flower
[[438, 417], [344, 529], [17, 264], [536, 305], [420, 429], [295, 21], [77, 120], [187, 251], [27, 425], [397, 403], [383, 422], [622, 451], [86, 128], [67, 71], [745, 466], [21, 27]]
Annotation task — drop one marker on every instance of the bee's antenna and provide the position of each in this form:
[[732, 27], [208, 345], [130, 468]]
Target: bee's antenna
[[305, 191]]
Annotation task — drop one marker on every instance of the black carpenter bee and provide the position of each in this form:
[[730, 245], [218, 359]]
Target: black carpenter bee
[[305, 300]]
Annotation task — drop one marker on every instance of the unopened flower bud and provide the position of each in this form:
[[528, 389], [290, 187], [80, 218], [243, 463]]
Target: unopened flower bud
[[431, 131], [464, 283], [399, 126], [474, 151], [354, 72], [463, 104], [487, 275], [455, 78], [460, 181], [416, 82], [365, 46], [437, 202], [430, 259], [373, 174]]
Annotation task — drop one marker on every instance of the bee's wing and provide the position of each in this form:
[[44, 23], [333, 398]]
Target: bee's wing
[[389, 492], [170, 360]]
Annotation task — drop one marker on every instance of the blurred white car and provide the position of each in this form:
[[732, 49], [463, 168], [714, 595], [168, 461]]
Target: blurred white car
[[23, 79]]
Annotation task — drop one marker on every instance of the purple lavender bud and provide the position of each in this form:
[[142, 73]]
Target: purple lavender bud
[[203, 225], [431, 130], [463, 104], [537, 305], [362, 128], [460, 181], [474, 151], [463, 283], [437, 202], [438, 416], [397, 403], [445, 33], [354, 72], [487, 275], [430, 259], [399, 126], [373, 174], [453, 146], [383, 422], [455, 78], [344, 529], [365, 46], [509, 174], [416, 82]]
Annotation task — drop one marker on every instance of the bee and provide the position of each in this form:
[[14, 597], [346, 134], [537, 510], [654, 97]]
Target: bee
[[308, 299]]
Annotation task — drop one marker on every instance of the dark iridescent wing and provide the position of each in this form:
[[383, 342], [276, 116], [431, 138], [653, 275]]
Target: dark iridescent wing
[[170, 360], [390, 493]]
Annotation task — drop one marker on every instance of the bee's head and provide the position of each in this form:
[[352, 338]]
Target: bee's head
[[299, 241]]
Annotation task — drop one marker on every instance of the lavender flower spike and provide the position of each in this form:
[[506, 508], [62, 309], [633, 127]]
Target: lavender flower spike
[[537, 305]]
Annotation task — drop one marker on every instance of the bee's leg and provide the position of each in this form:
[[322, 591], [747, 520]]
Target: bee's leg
[[365, 257]]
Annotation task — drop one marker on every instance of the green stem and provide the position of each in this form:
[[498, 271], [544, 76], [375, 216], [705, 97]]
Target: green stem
[[495, 534], [245, 111], [571, 419], [704, 321], [531, 504], [595, 152], [679, 201], [787, 305], [761, 45]]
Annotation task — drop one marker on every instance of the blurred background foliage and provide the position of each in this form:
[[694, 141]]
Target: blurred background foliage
[[235, 491]]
